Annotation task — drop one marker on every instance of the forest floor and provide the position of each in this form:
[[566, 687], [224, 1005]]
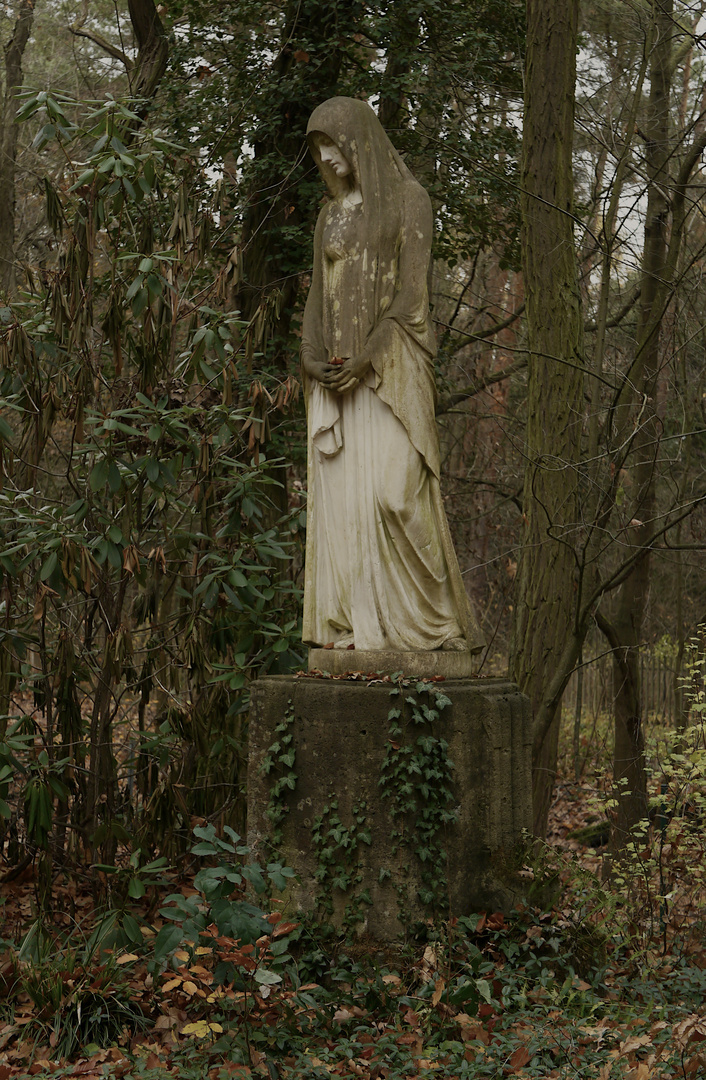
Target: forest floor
[[588, 980]]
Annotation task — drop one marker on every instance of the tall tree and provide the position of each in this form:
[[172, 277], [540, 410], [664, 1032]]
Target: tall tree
[[545, 586], [628, 505], [315, 37], [636, 421], [146, 69], [14, 53]]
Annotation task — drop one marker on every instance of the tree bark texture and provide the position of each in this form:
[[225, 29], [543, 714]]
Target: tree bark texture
[[14, 52], [152, 48], [301, 81], [146, 70], [626, 631], [545, 594], [399, 64]]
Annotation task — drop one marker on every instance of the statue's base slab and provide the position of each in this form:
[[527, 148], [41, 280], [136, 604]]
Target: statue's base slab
[[420, 665], [322, 795]]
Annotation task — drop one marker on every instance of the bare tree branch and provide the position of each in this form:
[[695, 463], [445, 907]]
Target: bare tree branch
[[79, 30], [146, 71], [620, 315], [449, 401]]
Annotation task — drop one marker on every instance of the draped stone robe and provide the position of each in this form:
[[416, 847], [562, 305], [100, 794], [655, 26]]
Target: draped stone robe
[[381, 572]]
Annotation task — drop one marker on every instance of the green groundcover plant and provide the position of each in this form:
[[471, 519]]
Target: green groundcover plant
[[223, 981]]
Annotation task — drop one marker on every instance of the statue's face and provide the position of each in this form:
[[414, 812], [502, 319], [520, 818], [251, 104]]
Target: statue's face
[[332, 156]]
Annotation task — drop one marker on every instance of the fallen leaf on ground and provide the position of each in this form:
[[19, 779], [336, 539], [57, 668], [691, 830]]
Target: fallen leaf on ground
[[520, 1058], [634, 1042]]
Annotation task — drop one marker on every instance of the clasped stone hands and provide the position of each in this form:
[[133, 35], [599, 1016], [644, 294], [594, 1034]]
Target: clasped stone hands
[[340, 374]]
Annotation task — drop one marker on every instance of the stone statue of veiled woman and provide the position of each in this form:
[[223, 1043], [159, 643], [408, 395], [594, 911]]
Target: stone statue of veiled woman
[[381, 572]]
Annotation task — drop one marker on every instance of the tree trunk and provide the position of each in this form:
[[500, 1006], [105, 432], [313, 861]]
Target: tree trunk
[[14, 51], [400, 61], [626, 632], [279, 203], [545, 593], [102, 774], [146, 70], [275, 205], [152, 48]]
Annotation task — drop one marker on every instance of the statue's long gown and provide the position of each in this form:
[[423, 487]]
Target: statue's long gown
[[381, 572]]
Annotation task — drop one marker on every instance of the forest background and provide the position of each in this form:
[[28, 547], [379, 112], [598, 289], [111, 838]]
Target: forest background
[[156, 224]]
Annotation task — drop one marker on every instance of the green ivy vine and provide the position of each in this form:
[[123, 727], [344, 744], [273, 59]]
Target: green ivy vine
[[416, 778], [338, 863], [280, 759]]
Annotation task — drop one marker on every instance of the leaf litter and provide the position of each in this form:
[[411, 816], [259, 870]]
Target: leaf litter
[[548, 991]]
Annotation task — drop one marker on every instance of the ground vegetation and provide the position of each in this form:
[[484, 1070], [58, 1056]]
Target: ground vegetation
[[155, 247]]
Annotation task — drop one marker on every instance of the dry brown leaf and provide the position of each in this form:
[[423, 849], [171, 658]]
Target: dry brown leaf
[[472, 1029], [639, 1072], [692, 1029], [597, 1032], [127, 958], [284, 928], [473, 1052], [695, 1066], [520, 1058], [430, 962], [413, 1041], [634, 1042]]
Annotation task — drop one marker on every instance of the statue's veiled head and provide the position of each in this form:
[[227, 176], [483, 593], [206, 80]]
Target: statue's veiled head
[[350, 126]]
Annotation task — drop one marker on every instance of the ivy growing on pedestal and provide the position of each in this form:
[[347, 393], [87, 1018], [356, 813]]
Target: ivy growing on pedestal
[[415, 786]]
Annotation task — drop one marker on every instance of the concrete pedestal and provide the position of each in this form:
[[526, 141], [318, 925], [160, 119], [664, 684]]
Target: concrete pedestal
[[332, 812]]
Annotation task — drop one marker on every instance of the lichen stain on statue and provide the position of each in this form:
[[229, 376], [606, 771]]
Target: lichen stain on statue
[[381, 571]]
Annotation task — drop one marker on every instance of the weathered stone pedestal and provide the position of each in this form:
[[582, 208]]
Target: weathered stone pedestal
[[337, 774]]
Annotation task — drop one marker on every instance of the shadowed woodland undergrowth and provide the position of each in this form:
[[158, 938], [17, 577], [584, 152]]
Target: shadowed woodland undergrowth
[[203, 971], [153, 513]]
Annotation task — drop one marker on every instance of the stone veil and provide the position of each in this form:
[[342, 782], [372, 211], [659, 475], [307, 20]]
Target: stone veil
[[381, 571]]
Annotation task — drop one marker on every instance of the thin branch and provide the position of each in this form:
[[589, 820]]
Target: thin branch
[[620, 315], [79, 30], [490, 331], [448, 402]]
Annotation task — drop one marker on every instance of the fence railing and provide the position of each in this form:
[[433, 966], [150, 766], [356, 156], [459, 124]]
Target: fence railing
[[593, 686]]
